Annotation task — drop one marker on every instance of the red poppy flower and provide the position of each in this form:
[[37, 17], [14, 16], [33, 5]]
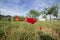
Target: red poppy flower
[[17, 18], [30, 20], [41, 28]]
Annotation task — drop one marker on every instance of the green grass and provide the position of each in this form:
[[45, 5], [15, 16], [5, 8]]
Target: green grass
[[13, 30]]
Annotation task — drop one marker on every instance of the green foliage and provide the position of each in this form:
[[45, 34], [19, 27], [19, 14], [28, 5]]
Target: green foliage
[[22, 18], [9, 19], [1, 16], [44, 16], [53, 10], [33, 14]]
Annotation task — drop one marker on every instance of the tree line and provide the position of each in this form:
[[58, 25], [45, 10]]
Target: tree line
[[52, 10]]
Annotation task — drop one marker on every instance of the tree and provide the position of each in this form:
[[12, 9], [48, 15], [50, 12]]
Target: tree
[[53, 10], [44, 17], [33, 14]]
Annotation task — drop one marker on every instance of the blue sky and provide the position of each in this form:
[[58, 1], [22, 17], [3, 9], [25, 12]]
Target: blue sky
[[21, 7]]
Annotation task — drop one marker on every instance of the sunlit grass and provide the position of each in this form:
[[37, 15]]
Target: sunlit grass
[[14, 30]]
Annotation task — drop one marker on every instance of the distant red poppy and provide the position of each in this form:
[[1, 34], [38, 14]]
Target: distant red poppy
[[30, 20], [41, 28], [17, 18]]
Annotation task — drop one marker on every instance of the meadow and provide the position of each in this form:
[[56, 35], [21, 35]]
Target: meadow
[[20, 30]]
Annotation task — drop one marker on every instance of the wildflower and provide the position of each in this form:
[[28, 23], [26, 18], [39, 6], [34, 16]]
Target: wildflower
[[41, 28], [30, 20], [17, 18]]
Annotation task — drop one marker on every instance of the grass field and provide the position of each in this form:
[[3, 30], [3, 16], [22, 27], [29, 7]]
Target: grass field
[[13, 30]]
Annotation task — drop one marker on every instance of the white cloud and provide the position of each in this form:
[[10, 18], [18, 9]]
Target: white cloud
[[39, 5], [12, 9], [5, 12], [19, 10]]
